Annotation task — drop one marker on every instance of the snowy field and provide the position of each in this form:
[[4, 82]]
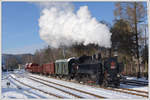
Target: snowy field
[[17, 90]]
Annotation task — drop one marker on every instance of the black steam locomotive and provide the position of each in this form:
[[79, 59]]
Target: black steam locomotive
[[94, 69]]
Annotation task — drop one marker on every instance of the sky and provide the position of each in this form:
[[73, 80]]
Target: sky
[[20, 30]]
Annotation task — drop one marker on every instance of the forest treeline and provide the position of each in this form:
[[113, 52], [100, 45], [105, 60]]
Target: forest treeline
[[129, 38]]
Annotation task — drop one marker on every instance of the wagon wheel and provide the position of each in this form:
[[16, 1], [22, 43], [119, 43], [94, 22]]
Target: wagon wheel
[[105, 83], [79, 79], [60, 77], [67, 77], [70, 77]]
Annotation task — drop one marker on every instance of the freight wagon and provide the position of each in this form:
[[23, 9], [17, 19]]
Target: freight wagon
[[49, 68], [64, 68]]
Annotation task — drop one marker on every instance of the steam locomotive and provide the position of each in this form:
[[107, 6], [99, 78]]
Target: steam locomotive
[[89, 69], [93, 69]]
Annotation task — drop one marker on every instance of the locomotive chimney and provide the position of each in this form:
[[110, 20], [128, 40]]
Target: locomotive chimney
[[109, 50], [116, 50], [64, 52]]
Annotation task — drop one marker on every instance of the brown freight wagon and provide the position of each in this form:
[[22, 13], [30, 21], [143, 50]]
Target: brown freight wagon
[[34, 67], [49, 69], [40, 69]]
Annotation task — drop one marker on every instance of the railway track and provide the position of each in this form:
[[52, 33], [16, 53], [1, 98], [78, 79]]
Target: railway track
[[140, 91], [122, 90], [52, 86], [135, 83], [138, 81], [51, 94], [128, 92], [81, 91], [22, 89]]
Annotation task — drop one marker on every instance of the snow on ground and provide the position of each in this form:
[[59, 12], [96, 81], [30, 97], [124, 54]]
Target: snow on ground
[[98, 91], [42, 87], [46, 88], [13, 91], [19, 91]]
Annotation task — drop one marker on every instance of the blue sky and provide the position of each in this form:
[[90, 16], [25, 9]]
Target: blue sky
[[20, 27], [20, 31]]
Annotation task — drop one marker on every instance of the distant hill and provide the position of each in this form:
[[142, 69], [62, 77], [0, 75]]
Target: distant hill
[[21, 58]]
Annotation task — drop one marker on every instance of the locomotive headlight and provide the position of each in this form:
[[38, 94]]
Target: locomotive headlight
[[108, 75], [77, 67], [118, 75]]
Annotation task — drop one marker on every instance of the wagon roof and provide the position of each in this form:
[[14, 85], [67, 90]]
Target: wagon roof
[[70, 58], [61, 60], [65, 60]]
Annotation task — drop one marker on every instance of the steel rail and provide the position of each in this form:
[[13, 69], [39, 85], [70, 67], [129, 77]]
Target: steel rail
[[36, 88], [70, 88]]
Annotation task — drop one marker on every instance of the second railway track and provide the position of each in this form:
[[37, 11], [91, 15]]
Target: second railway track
[[77, 96], [135, 83], [123, 90], [51, 94]]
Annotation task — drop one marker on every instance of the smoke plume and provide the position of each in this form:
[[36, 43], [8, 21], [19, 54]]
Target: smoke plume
[[61, 25]]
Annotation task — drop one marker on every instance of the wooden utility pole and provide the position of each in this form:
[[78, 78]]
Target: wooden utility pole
[[137, 44], [145, 62]]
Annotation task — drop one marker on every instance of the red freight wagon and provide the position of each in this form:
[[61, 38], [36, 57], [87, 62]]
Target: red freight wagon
[[37, 69], [49, 68], [40, 69], [33, 67]]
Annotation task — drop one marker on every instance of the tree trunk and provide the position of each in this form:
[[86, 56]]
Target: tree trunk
[[137, 44]]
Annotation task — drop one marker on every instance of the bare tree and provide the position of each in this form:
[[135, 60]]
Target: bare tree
[[11, 63], [135, 13]]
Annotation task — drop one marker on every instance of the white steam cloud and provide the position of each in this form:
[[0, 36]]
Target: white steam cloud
[[60, 25]]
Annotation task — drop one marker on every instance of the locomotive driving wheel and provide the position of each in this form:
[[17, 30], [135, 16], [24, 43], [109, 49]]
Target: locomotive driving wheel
[[79, 79]]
